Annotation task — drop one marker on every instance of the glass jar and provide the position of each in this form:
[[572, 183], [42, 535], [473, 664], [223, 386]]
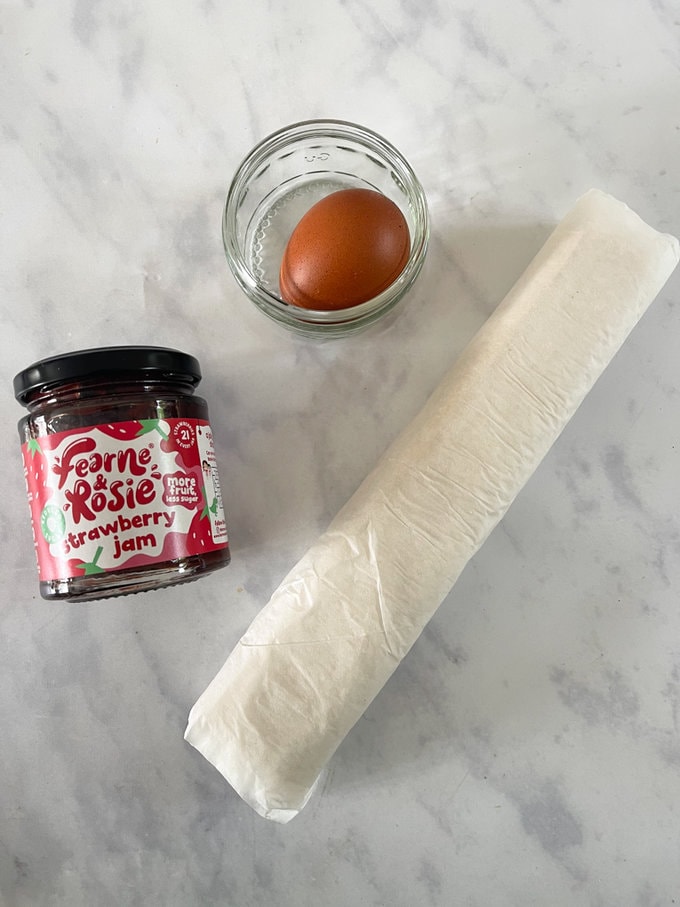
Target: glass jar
[[280, 180], [120, 471]]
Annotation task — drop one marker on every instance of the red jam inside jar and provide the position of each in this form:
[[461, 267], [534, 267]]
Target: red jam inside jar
[[120, 472]]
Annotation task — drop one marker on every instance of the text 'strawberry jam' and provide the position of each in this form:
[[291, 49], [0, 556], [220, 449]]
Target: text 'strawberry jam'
[[120, 472]]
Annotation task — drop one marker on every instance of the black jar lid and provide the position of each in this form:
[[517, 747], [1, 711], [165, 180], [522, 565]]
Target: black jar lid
[[112, 361]]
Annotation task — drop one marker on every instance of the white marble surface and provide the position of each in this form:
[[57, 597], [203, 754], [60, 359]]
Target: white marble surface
[[528, 749]]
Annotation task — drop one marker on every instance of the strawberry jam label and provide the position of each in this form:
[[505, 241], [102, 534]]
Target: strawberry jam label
[[122, 496]]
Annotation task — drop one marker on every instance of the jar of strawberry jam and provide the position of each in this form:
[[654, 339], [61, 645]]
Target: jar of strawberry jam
[[120, 472]]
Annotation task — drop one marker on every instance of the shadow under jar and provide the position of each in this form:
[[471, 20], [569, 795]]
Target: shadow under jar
[[120, 472], [281, 179]]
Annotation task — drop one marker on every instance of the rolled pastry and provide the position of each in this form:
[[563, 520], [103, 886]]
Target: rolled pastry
[[348, 612]]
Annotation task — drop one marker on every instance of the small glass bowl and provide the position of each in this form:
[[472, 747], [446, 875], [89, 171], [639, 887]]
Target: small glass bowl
[[281, 178]]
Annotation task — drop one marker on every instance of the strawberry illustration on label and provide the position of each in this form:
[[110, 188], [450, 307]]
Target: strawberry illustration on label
[[147, 425], [127, 431], [90, 567], [120, 431], [199, 531], [35, 466]]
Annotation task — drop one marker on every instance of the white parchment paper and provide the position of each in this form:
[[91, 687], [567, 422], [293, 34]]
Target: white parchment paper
[[348, 612]]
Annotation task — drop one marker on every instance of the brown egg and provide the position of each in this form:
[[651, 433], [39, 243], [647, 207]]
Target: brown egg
[[347, 248]]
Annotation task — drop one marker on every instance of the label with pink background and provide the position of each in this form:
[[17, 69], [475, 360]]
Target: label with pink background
[[123, 495]]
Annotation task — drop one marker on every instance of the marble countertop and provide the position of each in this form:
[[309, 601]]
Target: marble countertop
[[527, 751]]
